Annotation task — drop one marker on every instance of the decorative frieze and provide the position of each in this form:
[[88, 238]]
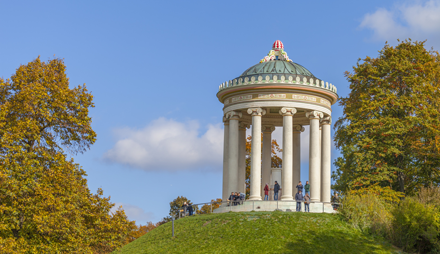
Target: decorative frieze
[[280, 96], [241, 98], [271, 96], [304, 97]]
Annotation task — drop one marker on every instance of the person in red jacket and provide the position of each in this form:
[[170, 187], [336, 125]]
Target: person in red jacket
[[266, 192]]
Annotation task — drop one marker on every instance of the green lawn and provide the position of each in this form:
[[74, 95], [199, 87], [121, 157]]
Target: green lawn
[[259, 232]]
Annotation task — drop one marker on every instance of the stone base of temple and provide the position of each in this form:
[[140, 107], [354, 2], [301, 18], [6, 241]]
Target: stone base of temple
[[285, 206]]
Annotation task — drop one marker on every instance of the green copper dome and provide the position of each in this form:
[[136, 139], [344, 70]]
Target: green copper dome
[[277, 67]]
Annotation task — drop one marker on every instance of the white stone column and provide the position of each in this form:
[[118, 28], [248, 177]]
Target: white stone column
[[242, 157], [314, 165], [233, 150], [287, 174], [267, 156], [297, 129], [225, 192], [255, 178], [326, 159]]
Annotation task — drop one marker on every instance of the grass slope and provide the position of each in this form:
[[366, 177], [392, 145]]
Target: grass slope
[[258, 232]]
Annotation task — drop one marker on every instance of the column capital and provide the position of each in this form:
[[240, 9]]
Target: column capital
[[326, 120], [287, 111], [256, 111], [243, 126], [298, 128], [225, 120], [314, 115], [233, 115], [268, 128]]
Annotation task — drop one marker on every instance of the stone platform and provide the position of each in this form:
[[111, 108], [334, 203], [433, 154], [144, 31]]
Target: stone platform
[[286, 206]]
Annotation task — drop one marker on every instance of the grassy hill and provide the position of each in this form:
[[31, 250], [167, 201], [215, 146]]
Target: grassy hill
[[259, 232]]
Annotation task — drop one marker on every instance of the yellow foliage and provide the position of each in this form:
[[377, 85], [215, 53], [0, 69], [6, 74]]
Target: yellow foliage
[[45, 204]]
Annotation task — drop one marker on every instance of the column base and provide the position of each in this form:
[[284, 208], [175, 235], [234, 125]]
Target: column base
[[315, 200], [254, 198], [283, 198]]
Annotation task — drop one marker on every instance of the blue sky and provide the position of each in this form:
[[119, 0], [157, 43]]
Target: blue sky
[[154, 68]]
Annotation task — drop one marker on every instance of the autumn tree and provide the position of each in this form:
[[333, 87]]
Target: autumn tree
[[177, 204], [206, 208], [276, 161], [45, 204], [390, 129], [138, 231]]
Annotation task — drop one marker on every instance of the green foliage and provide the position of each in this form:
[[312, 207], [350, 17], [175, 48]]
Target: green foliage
[[418, 226], [258, 232], [390, 129], [45, 204], [412, 224], [367, 212], [177, 204]]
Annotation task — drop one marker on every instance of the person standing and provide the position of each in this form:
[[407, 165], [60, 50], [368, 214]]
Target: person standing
[[266, 192], [299, 187], [335, 201], [184, 208], [231, 198], [307, 203], [307, 187], [276, 188], [236, 199], [299, 198], [190, 209]]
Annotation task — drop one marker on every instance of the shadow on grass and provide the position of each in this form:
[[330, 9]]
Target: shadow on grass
[[336, 242]]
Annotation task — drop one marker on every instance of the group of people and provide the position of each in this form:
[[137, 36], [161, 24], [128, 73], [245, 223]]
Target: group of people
[[187, 208], [236, 198], [299, 197], [276, 189]]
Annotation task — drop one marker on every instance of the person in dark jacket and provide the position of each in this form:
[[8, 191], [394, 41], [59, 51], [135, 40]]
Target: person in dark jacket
[[231, 198], [236, 199], [276, 188], [299, 198], [266, 192], [299, 187], [184, 208], [307, 187], [190, 209]]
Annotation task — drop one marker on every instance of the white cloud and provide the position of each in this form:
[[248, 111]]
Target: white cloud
[[134, 213], [418, 21], [166, 144]]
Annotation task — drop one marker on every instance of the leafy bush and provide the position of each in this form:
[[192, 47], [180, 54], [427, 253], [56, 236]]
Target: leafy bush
[[367, 212], [417, 226]]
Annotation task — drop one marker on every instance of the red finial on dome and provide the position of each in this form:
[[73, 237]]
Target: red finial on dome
[[278, 45]]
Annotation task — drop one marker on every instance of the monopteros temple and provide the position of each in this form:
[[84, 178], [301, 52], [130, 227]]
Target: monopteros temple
[[277, 92]]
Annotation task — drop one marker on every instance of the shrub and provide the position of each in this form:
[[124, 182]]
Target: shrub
[[416, 226], [367, 212]]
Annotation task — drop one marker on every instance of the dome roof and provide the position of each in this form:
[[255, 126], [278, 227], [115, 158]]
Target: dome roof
[[277, 67], [277, 63]]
